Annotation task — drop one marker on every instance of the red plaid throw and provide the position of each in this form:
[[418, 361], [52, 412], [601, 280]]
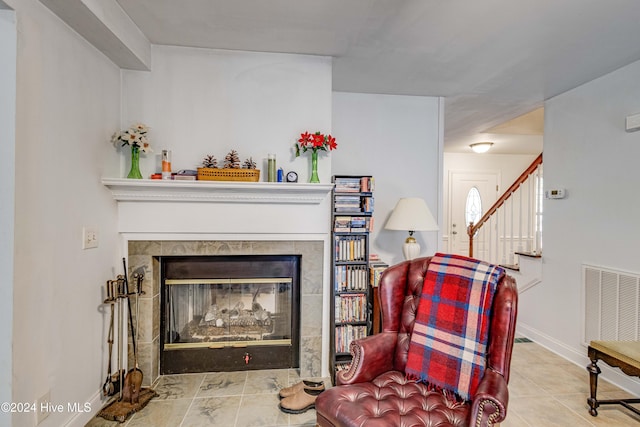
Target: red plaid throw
[[449, 339]]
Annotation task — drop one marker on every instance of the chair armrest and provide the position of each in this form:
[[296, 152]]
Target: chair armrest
[[490, 401], [372, 356]]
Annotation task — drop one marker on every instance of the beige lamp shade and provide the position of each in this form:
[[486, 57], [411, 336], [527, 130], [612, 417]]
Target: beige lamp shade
[[411, 214]]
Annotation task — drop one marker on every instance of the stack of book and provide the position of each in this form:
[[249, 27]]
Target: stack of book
[[347, 204], [351, 308], [350, 248], [343, 366], [347, 185], [367, 204], [352, 224], [376, 268], [347, 333], [350, 278], [367, 184]]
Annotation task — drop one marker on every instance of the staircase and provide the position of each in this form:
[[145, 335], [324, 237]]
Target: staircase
[[510, 231]]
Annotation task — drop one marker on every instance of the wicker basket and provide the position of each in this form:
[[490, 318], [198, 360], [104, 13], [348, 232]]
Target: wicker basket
[[213, 174]]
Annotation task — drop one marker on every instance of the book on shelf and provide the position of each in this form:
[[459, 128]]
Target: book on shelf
[[367, 204], [376, 268], [343, 366]]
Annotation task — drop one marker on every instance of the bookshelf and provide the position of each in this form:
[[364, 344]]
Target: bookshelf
[[351, 294]]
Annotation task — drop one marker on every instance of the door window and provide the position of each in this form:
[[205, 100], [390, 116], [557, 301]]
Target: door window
[[473, 207]]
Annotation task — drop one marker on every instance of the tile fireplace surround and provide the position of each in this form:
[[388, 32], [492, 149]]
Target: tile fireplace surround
[[165, 218], [143, 258]]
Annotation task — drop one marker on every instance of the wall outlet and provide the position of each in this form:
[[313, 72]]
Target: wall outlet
[[42, 405], [89, 237]]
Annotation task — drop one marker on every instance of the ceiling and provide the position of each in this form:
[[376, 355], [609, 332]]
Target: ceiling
[[492, 60]]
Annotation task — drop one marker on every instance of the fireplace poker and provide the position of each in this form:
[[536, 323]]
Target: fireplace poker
[[133, 379], [120, 370]]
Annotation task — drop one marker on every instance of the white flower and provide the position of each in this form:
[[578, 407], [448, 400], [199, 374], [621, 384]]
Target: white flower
[[135, 136]]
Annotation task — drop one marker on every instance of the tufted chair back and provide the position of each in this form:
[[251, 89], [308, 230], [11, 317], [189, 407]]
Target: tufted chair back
[[399, 292]]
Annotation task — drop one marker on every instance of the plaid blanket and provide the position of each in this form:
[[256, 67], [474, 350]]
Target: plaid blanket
[[449, 339]]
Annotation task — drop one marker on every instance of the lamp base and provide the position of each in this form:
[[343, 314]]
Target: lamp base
[[411, 248]]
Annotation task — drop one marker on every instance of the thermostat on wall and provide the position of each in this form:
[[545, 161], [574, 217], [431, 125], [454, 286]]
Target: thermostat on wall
[[558, 193]]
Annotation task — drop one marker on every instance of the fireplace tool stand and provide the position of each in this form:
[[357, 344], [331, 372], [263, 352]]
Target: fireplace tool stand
[[124, 387]]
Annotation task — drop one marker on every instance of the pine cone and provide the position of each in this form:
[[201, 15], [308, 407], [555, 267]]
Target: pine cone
[[249, 163], [210, 161], [231, 160]]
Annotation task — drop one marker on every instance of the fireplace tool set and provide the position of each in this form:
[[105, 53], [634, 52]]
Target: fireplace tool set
[[127, 385]]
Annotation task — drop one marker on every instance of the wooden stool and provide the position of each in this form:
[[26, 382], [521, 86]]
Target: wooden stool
[[620, 354]]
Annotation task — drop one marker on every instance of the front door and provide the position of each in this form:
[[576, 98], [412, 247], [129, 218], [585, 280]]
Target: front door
[[470, 195]]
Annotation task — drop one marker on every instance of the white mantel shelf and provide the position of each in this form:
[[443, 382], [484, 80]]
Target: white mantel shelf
[[149, 190]]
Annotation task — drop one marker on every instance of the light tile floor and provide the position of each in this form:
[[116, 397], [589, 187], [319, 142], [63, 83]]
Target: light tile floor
[[545, 390], [225, 399]]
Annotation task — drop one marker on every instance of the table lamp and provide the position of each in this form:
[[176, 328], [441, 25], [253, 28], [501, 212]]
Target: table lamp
[[411, 214]]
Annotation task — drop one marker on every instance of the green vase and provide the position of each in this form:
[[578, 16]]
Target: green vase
[[134, 173], [314, 167]]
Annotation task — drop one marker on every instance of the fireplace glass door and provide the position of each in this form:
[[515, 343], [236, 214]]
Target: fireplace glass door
[[216, 313], [229, 313]]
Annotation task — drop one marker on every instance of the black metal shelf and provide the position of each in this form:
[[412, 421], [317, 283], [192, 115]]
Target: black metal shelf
[[360, 271]]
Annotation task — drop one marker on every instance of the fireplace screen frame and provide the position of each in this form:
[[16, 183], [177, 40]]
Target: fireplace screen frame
[[214, 270]]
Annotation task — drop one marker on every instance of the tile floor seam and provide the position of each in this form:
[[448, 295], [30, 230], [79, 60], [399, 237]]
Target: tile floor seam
[[520, 417], [184, 417], [244, 386], [555, 397]]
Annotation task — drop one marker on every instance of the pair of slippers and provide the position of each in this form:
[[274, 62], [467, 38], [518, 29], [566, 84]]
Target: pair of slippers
[[300, 397]]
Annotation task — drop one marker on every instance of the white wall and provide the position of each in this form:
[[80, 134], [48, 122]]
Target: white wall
[[68, 104], [397, 139], [7, 196], [203, 101], [588, 152]]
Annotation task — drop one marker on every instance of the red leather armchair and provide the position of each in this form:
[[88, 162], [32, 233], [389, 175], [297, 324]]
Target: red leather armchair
[[375, 391]]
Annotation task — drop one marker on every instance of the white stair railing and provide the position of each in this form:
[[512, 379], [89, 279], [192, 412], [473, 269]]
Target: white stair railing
[[513, 224]]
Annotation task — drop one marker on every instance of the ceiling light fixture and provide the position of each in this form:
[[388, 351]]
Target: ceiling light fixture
[[481, 147]]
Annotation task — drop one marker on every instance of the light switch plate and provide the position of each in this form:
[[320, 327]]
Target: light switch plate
[[633, 123], [89, 237]]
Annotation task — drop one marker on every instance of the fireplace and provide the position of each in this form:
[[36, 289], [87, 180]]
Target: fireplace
[[145, 257], [229, 313], [185, 218]]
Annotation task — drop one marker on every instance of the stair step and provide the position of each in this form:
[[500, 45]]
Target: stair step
[[514, 267], [530, 254]]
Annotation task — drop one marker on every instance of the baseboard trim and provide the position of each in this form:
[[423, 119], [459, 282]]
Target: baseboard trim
[[80, 419]]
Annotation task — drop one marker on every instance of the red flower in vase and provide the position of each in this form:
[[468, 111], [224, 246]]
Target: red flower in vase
[[315, 142]]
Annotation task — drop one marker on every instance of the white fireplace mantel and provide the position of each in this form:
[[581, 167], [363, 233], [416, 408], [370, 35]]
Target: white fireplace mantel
[[251, 212], [148, 190]]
